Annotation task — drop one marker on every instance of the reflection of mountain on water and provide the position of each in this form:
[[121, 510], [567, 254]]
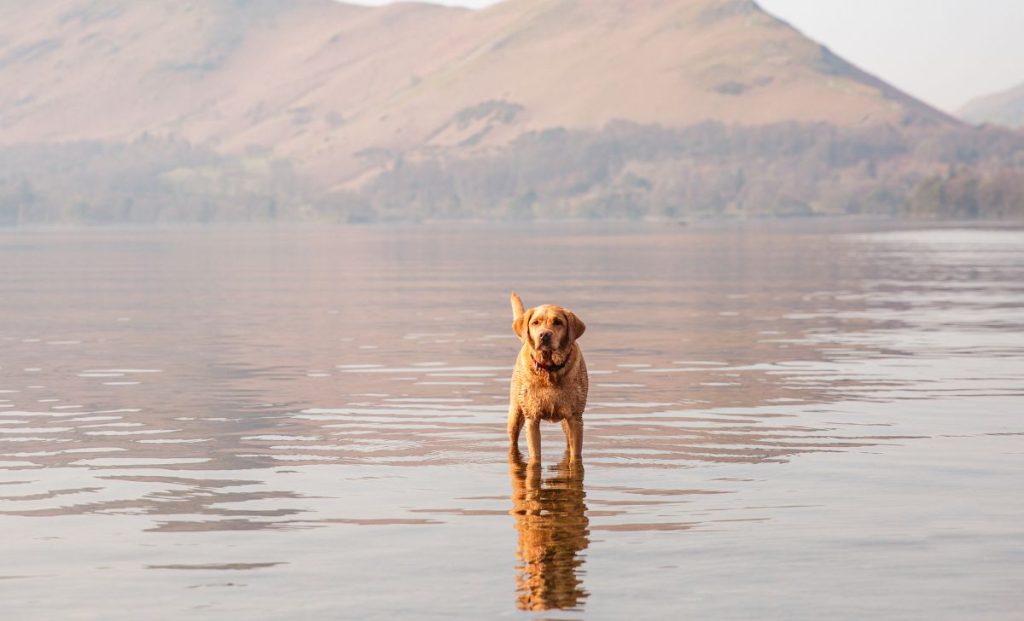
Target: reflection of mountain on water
[[550, 516]]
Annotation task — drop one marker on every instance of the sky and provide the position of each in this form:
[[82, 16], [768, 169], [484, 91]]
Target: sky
[[944, 52]]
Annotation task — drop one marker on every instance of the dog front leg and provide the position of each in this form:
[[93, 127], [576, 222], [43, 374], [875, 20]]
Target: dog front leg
[[574, 434], [533, 439], [515, 425]]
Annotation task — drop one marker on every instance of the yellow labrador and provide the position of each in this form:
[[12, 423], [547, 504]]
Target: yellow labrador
[[549, 381]]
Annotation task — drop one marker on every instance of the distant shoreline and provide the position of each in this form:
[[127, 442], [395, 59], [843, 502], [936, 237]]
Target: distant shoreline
[[792, 224]]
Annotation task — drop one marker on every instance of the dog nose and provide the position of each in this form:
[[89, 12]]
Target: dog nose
[[545, 337]]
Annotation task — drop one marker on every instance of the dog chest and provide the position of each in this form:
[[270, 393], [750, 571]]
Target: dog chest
[[547, 403]]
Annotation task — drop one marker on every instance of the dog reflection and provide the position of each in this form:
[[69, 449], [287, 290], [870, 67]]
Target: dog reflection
[[552, 523]]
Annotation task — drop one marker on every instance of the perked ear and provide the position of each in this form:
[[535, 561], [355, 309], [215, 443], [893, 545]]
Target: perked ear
[[521, 324], [576, 325]]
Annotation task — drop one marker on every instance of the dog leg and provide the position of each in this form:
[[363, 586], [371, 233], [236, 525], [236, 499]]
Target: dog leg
[[515, 425], [533, 439], [569, 469], [568, 434], [575, 439]]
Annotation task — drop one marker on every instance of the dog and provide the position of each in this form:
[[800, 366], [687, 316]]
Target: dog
[[550, 380]]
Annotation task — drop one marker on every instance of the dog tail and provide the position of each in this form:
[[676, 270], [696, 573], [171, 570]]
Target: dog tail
[[517, 306]]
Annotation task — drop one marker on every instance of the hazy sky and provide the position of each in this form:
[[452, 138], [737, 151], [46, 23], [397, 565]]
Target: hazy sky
[[942, 51]]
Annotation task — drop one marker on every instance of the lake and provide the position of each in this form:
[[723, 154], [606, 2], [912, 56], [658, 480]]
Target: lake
[[789, 421]]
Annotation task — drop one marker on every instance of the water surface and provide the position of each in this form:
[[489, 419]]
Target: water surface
[[784, 422]]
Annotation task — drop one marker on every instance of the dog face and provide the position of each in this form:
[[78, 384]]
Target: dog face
[[549, 328]]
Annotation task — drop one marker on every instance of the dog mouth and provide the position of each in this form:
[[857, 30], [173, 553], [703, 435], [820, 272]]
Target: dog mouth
[[548, 357], [549, 362]]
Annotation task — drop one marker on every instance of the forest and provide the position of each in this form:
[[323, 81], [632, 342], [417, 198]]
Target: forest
[[623, 171]]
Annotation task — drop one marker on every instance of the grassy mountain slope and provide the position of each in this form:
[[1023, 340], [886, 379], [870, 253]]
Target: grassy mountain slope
[[320, 81], [530, 107]]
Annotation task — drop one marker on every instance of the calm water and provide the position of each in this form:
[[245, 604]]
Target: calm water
[[784, 423]]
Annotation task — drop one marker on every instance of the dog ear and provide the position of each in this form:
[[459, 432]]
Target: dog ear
[[576, 325], [521, 325]]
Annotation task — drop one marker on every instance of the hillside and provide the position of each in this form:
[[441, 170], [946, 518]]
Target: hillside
[[1004, 108], [530, 107], [320, 81]]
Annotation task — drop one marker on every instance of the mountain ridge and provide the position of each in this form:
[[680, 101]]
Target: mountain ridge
[[1002, 108], [255, 109], [290, 74]]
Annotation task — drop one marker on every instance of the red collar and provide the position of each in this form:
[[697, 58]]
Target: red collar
[[550, 368]]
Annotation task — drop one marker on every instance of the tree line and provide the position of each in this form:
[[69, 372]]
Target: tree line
[[714, 170], [624, 170], [148, 181]]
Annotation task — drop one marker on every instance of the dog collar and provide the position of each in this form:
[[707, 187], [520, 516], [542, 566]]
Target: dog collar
[[550, 368]]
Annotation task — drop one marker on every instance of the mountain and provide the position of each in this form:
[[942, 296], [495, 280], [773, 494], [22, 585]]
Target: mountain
[[1004, 108], [527, 108], [321, 81]]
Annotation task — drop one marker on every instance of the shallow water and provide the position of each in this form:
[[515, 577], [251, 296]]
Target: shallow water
[[783, 422]]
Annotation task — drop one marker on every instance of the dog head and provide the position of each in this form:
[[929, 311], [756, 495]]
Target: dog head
[[549, 329]]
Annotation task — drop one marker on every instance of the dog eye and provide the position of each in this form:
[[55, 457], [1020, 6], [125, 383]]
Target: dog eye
[[535, 322], [557, 322]]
